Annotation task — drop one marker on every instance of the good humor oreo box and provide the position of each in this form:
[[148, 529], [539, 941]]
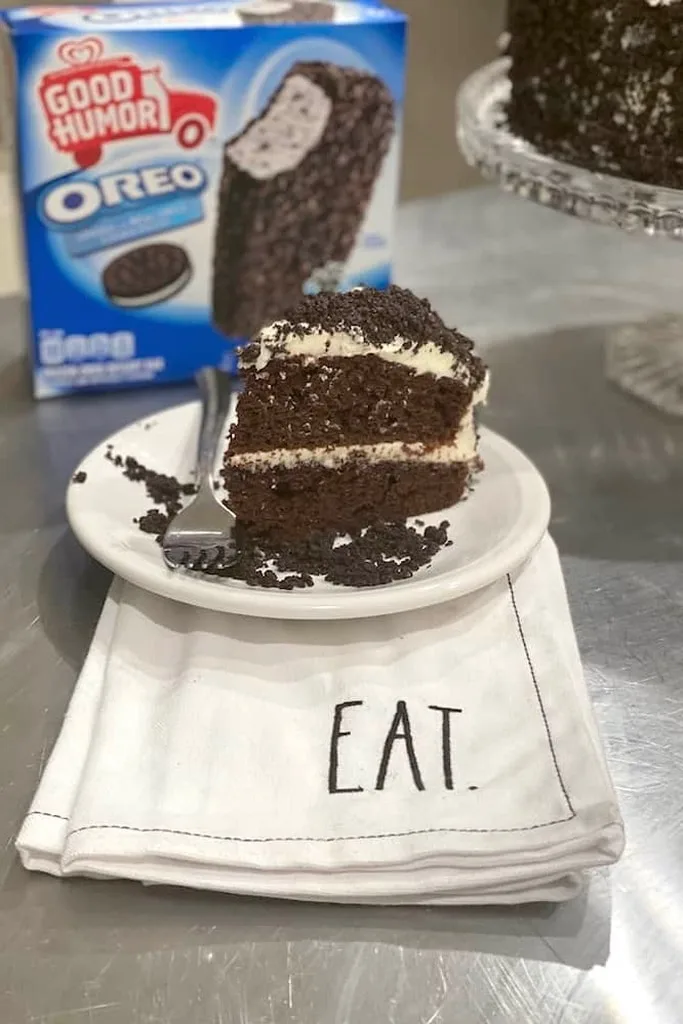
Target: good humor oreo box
[[187, 171]]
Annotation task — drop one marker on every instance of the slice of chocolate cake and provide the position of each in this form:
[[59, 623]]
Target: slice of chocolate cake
[[295, 186], [285, 12], [357, 408]]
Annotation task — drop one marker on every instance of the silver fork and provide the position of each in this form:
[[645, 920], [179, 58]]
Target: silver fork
[[201, 536]]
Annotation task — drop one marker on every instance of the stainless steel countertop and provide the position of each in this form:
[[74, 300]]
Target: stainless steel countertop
[[541, 291]]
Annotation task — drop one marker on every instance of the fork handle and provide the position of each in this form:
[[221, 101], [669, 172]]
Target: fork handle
[[216, 389]]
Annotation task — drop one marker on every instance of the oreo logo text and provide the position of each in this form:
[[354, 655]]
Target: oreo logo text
[[76, 202]]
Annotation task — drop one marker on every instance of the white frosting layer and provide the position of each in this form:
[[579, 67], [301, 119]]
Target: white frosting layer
[[661, 3], [290, 129], [426, 357], [463, 448]]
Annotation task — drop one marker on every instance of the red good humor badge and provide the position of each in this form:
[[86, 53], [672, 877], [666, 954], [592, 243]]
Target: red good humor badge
[[95, 100]]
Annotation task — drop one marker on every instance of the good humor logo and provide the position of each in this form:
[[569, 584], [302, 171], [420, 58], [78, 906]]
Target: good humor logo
[[94, 100]]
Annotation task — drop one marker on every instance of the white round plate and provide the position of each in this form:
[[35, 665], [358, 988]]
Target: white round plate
[[493, 531]]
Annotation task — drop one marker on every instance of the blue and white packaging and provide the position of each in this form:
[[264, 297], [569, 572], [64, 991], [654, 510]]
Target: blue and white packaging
[[126, 119]]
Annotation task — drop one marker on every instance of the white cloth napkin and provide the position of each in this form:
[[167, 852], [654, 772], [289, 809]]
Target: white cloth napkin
[[317, 760]]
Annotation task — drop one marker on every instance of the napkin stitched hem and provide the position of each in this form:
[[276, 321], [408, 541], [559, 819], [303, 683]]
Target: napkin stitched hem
[[380, 835], [532, 672]]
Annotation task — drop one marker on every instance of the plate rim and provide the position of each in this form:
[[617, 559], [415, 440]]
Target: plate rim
[[342, 603]]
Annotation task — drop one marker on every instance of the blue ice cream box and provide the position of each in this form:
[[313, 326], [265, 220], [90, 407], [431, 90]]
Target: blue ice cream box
[[186, 172]]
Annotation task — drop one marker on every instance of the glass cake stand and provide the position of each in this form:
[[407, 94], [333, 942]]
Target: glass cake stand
[[646, 360]]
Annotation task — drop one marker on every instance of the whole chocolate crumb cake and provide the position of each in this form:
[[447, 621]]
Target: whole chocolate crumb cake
[[357, 409], [599, 83]]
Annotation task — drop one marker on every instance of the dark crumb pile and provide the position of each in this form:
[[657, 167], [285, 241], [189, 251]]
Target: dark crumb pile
[[378, 555], [154, 521], [162, 490], [80, 477], [372, 557]]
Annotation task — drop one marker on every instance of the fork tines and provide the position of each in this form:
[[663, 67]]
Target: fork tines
[[211, 560]]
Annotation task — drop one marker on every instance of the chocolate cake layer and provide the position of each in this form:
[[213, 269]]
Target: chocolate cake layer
[[284, 213], [599, 83], [362, 400], [293, 503]]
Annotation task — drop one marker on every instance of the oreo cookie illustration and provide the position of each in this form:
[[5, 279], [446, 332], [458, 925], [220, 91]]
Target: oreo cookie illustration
[[147, 275]]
